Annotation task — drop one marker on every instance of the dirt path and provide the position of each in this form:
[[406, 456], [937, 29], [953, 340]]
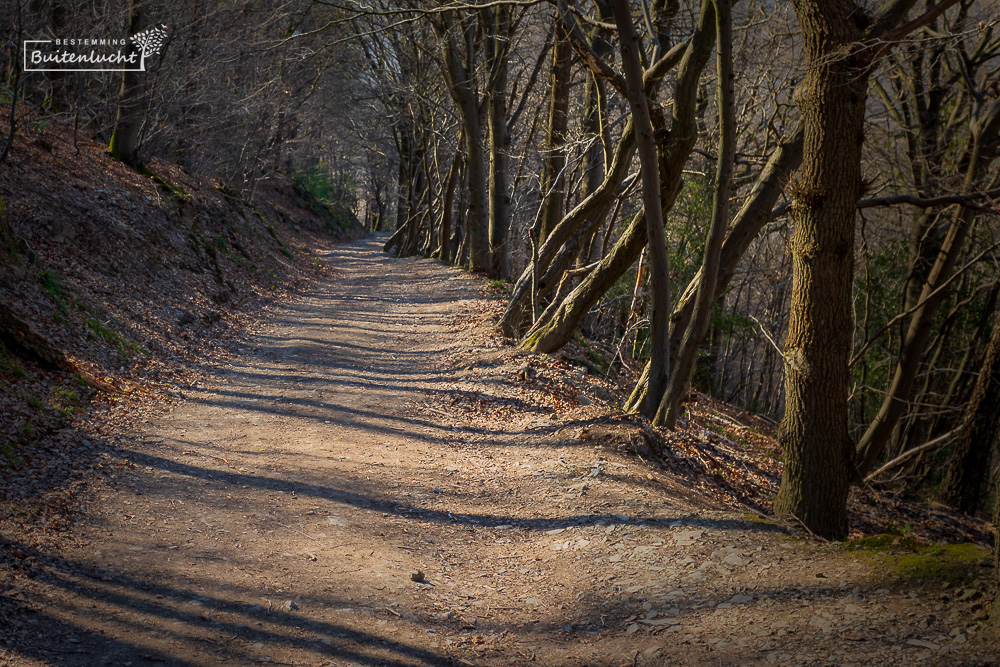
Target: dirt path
[[325, 501]]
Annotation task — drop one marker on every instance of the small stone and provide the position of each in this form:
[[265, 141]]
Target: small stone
[[820, 622], [969, 594], [740, 599], [687, 537], [632, 629], [554, 531], [733, 559], [922, 644]]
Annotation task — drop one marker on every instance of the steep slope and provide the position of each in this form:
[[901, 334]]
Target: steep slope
[[109, 278]]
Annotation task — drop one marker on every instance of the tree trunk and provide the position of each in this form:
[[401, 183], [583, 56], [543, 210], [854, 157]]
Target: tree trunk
[[444, 230], [459, 69], [498, 48], [516, 316], [819, 454], [680, 380], [659, 269], [553, 178], [124, 144], [579, 221], [6, 235]]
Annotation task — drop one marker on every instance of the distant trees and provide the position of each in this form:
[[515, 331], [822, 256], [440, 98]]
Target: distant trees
[[571, 209], [235, 90]]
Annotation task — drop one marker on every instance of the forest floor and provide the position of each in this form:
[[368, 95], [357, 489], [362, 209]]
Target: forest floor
[[372, 478]]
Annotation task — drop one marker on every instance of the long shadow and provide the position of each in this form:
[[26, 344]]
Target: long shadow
[[241, 400], [363, 421], [142, 595], [401, 508]]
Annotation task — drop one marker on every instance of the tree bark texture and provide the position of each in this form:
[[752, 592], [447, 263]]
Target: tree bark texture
[[680, 379], [459, 68], [659, 268], [553, 179], [124, 143], [497, 49], [819, 454], [444, 230]]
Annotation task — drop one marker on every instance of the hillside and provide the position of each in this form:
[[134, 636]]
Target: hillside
[[114, 285]]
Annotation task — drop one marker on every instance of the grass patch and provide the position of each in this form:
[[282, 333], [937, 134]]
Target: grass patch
[[68, 398], [497, 287], [907, 560], [99, 331], [53, 286]]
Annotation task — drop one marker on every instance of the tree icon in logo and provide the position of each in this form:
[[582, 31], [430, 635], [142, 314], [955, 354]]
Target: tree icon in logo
[[149, 42]]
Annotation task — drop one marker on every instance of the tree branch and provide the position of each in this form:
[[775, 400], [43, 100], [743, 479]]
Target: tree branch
[[920, 202]]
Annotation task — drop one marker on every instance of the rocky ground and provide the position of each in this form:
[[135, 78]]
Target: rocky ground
[[373, 479]]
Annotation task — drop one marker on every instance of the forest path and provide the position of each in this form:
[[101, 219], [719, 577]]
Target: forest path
[[322, 501]]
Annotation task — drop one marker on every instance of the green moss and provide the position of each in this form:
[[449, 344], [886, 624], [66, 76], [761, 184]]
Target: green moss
[[229, 191], [99, 331], [905, 559], [530, 342], [500, 286], [113, 148]]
